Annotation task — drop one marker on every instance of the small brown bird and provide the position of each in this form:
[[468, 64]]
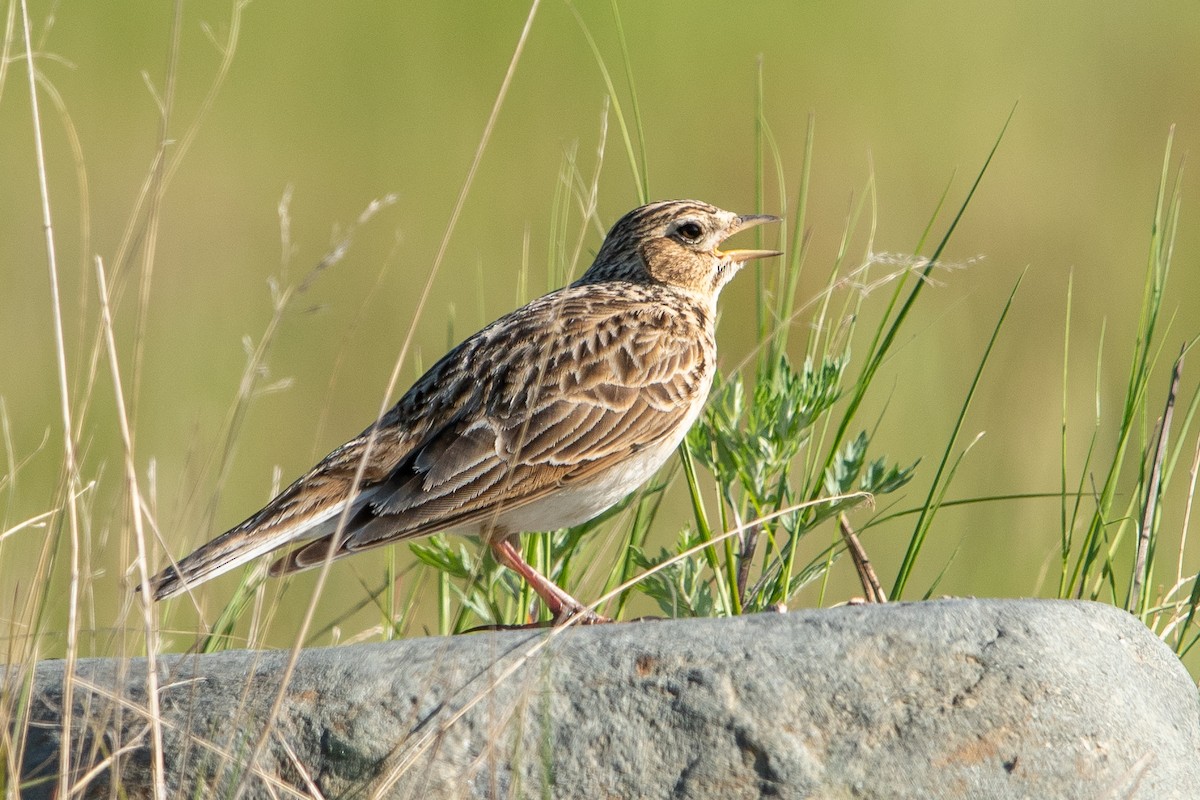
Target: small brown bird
[[542, 420]]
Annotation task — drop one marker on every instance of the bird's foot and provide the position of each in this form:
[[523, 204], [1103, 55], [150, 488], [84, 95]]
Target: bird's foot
[[565, 616], [577, 615]]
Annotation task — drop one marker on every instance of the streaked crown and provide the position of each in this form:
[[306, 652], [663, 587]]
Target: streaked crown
[[675, 242]]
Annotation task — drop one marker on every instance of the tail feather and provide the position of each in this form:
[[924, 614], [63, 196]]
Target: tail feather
[[310, 555], [236, 547], [219, 556]]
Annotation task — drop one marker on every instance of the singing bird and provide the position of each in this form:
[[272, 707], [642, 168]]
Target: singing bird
[[541, 420]]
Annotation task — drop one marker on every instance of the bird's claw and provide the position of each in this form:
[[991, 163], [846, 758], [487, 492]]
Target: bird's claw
[[577, 616]]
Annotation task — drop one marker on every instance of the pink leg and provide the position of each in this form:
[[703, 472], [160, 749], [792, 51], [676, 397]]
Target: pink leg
[[562, 606]]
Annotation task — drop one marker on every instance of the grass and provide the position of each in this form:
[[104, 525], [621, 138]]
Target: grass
[[780, 455]]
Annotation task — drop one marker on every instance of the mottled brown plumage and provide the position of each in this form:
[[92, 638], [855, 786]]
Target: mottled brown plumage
[[543, 419]]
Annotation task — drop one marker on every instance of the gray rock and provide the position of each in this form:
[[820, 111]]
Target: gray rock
[[947, 699]]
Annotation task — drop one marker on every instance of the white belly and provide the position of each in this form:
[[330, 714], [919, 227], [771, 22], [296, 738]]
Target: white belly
[[576, 504]]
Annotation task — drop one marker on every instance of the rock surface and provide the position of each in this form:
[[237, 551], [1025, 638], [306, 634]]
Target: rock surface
[[946, 699]]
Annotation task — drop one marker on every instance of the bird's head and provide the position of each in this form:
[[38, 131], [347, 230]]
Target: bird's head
[[676, 242]]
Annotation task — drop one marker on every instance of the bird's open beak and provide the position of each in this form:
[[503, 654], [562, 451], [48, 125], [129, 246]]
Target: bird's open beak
[[742, 223]]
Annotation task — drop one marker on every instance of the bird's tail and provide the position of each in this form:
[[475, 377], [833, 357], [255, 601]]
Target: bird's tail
[[228, 551], [286, 519]]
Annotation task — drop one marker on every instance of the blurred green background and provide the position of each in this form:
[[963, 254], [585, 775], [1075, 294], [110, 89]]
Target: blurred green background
[[347, 102]]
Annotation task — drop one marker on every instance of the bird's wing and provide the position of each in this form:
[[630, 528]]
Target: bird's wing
[[562, 404]]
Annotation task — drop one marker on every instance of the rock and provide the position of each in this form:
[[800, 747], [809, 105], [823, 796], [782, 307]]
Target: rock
[[947, 699]]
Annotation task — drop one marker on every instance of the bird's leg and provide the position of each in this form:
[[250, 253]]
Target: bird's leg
[[562, 606]]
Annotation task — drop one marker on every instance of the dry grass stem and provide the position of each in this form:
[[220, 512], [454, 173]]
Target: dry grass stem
[[872, 588], [70, 463], [323, 572], [1150, 512], [136, 511]]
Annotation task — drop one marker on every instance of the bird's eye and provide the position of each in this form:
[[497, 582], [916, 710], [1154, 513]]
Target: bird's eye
[[690, 231]]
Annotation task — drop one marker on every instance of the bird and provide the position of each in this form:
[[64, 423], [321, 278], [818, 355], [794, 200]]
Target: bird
[[541, 420]]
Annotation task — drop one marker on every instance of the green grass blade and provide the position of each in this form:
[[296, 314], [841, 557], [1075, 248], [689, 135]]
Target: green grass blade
[[933, 499], [639, 179], [644, 185], [799, 239], [880, 348]]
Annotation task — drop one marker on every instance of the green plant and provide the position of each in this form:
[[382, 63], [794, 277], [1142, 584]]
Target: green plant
[[1108, 552]]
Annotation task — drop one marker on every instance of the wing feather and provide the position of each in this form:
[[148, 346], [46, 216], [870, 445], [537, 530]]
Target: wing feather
[[623, 393]]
